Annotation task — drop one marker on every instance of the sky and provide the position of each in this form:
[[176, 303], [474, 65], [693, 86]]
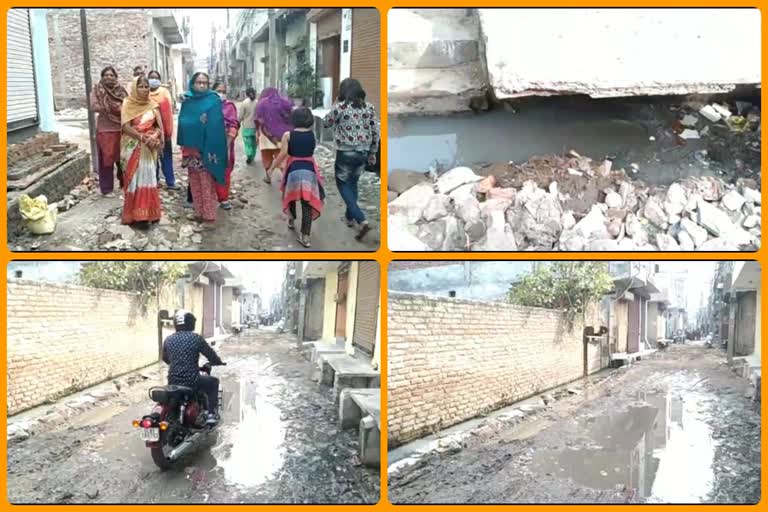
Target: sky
[[264, 277], [200, 22], [698, 282]]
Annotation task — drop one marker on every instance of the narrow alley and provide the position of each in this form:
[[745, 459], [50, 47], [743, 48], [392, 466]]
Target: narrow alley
[[256, 222], [679, 427], [278, 442]]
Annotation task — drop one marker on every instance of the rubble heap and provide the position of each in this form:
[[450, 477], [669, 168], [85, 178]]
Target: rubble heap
[[461, 210], [572, 203]]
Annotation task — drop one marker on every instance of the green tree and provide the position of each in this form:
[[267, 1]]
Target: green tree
[[567, 285], [145, 278]]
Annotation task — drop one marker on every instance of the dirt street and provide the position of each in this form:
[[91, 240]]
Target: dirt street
[[278, 443], [678, 427], [256, 223]]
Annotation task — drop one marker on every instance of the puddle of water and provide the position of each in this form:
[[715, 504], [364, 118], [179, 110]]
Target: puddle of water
[[416, 143], [592, 128], [660, 452], [251, 447]]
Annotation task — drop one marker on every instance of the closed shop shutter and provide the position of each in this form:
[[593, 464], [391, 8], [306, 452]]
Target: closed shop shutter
[[366, 317], [329, 25], [366, 46], [22, 94]]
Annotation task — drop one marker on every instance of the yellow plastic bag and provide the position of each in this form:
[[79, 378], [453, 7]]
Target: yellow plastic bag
[[39, 217]]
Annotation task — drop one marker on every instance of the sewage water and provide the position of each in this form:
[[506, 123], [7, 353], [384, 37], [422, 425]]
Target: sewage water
[[659, 452], [252, 450], [593, 128]]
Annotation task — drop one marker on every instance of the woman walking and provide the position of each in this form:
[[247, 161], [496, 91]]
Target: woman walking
[[203, 142], [273, 113], [107, 101], [232, 125], [247, 118], [142, 138], [302, 182], [356, 135], [162, 97]]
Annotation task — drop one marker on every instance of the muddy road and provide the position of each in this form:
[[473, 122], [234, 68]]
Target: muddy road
[[679, 427], [277, 443]]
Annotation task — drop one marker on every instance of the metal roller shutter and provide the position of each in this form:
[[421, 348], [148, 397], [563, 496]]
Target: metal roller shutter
[[366, 56], [366, 318], [22, 93]]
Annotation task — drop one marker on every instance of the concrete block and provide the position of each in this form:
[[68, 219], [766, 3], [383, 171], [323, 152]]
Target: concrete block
[[350, 413], [370, 442]]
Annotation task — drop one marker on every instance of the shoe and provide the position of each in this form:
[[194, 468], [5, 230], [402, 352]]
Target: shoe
[[212, 419], [349, 223], [291, 224], [364, 229], [249, 161], [188, 205], [226, 205], [172, 187]]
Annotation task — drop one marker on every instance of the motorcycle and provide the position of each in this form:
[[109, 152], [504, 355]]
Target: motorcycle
[[177, 422]]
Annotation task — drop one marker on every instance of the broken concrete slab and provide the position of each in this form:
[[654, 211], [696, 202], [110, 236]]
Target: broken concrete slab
[[438, 206], [733, 200], [715, 220], [412, 202], [455, 178]]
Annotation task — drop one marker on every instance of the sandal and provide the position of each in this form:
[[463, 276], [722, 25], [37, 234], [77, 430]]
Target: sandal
[[268, 181], [291, 224], [349, 223], [364, 229], [303, 240]]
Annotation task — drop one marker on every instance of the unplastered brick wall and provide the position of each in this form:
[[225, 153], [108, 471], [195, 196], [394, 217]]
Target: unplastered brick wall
[[450, 360], [117, 37], [63, 338]]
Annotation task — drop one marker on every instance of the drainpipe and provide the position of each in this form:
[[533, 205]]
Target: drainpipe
[[645, 332]]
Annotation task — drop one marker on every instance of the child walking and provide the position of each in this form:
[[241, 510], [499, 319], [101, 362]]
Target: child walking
[[356, 135], [302, 182]]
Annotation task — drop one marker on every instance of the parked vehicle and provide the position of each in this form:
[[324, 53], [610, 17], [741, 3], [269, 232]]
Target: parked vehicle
[[177, 423]]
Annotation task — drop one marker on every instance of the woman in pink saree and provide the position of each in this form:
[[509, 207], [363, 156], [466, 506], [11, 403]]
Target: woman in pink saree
[[142, 138]]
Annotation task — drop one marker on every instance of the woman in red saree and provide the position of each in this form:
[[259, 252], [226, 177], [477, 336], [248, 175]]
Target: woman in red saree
[[142, 139]]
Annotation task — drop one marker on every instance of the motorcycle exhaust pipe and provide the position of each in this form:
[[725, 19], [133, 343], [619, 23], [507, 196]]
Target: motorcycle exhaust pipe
[[183, 448]]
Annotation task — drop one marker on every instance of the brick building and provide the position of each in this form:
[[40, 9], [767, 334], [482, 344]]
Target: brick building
[[123, 38]]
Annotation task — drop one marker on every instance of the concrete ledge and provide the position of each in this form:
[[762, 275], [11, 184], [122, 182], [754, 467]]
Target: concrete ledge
[[370, 442], [355, 404], [323, 348], [342, 371]]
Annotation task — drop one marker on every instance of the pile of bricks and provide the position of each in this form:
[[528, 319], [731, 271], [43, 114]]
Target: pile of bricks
[[32, 146]]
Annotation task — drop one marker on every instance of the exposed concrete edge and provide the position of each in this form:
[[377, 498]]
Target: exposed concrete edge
[[33, 420], [452, 439], [570, 89]]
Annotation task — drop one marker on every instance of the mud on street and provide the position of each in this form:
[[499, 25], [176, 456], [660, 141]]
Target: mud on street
[[679, 427], [278, 442], [88, 221]]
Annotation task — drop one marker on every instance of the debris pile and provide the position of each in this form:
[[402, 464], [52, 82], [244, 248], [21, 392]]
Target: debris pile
[[574, 204]]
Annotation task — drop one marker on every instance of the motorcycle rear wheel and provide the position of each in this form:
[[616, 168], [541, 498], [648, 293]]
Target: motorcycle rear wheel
[[158, 454]]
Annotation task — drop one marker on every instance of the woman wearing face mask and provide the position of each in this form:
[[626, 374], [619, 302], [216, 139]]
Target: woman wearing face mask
[[232, 125], [203, 140], [106, 101], [142, 128], [162, 97]]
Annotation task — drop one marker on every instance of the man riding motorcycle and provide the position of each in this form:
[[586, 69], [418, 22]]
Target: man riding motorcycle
[[181, 351]]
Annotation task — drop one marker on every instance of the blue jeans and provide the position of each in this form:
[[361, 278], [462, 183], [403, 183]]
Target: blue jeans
[[349, 166], [166, 162]]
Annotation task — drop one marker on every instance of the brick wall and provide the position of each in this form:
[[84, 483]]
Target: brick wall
[[116, 37], [54, 186], [62, 338], [450, 360]]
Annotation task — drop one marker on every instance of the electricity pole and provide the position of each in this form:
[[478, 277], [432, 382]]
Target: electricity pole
[[88, 88]]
